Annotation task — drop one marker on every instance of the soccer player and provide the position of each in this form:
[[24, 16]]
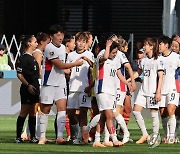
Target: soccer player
[[54, 83], [105, 88], [170, 96], [78, 99], [28, 73], [149, 94]]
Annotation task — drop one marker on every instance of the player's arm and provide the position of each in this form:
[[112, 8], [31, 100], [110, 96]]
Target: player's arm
[[130, 71], [136, 74], [88, 60], [159, 85], [122, 78], [62, 65], [106, 53]]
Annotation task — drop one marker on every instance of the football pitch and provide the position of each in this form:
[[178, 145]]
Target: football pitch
[[8, 145]]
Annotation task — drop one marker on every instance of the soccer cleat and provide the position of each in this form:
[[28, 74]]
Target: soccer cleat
[[19, 140], [60, 140], [171, 141], [98, 144], [33, 140], [118, 143], [77, 141], [142, 139], [108, 144], [126, 138], [154, 140], [85, 135]]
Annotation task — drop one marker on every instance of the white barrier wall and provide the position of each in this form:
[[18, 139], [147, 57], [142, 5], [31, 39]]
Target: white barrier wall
[[10, 98]]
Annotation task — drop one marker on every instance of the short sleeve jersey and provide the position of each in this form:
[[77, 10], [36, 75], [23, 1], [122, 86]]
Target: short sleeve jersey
[[106, 76], [28, 67], [122, 59], [80, 75], [52, 75], [171, 64], [150, 68]]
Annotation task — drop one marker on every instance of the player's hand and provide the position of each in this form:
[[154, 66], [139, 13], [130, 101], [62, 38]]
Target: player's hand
[[158, 96], [78, 62]]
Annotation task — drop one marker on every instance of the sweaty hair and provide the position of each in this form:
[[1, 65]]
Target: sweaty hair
[[24, 42], [55, 29], [153, 42]]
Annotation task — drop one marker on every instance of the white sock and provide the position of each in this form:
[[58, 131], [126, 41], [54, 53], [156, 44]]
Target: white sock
[[172, 126], [165, 127], [38, 125], [121, 122], [97, 137], [177, 125], [114, 137], [106, 134], [61, 121], [93, 123], [43, 125], [155, 119], [140, 122]]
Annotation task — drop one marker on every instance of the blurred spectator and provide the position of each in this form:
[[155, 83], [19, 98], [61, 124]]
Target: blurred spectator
[[5, 61]]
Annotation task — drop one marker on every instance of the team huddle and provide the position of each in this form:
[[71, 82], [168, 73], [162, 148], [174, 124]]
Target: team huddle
[[77, 80]]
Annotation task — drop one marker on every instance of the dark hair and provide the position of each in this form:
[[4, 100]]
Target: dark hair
[[42, 37], [165, 40], [24, 42], [103, 38], [67, 38], [53, 29], [153, 42], [113, 46]]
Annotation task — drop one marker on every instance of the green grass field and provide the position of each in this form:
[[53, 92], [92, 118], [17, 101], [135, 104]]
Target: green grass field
[[7, 144]]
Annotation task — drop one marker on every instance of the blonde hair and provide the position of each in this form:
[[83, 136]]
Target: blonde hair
[[121, 43]]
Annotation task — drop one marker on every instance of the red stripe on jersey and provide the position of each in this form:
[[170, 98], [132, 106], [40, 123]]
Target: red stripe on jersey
[[122, 86], [101, 72], [48, 65], [178, 86]]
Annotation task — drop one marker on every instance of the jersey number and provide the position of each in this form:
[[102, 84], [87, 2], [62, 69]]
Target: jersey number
[[147, 73], [113, 73]]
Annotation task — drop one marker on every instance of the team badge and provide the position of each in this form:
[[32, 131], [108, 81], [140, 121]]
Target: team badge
[[51, 53]]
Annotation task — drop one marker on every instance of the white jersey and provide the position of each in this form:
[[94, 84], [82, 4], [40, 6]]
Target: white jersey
[[80, 75], [122, 59], [106, 76], [51, 75], [171, 63], [150, 68]]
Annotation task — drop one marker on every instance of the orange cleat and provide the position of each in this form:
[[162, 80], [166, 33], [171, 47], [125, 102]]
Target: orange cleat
[[142, 139]]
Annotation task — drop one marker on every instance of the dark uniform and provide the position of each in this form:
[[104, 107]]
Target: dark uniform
[[28, 67]]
